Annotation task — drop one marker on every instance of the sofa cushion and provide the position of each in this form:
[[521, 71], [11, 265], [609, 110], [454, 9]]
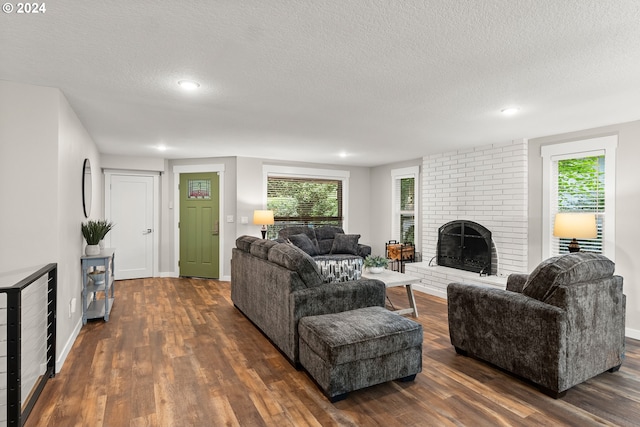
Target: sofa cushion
[[293, 258], [359, 334], [564, 270], [325, 236], [345, 244], [305, 243], [287, 232], [244, 242], [260, 248]]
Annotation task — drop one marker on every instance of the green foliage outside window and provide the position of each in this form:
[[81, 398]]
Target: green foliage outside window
[[304, 202], [581, 184]]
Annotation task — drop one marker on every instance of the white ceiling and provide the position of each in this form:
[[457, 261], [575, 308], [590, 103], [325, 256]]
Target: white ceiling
[[305, 80]]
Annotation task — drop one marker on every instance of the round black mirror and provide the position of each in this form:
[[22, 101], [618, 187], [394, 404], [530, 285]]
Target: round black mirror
[[86, 187]]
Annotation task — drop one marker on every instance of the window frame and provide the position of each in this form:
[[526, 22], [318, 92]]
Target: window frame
[[309, 173], [396, 212], [604, 145]]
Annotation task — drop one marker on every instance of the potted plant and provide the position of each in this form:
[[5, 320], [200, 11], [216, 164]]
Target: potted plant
[[93, 232], [376, 263]]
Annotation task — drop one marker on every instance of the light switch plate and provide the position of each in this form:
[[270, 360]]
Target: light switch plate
[[229, 218]]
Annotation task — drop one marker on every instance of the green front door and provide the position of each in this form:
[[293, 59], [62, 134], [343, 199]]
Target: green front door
[[199, 225]]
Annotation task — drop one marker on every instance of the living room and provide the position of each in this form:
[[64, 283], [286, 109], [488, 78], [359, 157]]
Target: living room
[[43, 132]]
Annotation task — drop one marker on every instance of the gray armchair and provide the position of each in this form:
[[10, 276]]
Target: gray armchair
[[557, 327]]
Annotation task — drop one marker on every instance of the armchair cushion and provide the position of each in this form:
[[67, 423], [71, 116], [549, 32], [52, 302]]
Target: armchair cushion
[[564, 270]]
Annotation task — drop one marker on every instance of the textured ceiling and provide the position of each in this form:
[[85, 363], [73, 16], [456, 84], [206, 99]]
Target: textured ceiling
[[378, 80]]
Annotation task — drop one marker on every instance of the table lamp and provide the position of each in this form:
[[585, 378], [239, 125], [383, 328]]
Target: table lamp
[[575, 225], [263, 218]]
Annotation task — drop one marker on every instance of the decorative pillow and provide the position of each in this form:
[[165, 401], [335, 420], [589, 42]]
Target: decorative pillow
[[325, 235], [564, 270], [305, 243], [295, 259], [345, 244]]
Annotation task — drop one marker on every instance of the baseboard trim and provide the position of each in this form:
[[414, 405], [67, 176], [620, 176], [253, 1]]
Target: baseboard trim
[[168, 274], [632, 333], [68, 345]]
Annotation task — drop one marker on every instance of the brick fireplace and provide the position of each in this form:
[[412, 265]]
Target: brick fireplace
[[485, 185]]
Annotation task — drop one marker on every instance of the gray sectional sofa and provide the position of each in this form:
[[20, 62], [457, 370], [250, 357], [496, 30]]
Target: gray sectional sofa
[[276, 284]]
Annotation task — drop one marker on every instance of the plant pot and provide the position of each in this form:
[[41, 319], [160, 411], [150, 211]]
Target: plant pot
[[375, 270], [92, 250]]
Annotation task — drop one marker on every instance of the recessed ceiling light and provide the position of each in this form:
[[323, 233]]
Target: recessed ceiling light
[[510, 111], [188, 84]]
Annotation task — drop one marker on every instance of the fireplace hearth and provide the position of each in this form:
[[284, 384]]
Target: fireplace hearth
[[465, 245]]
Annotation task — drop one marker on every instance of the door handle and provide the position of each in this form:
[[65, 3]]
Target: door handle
[[216, 229], [147, 231]]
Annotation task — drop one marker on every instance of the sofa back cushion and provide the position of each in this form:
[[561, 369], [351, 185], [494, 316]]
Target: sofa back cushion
[[244, 242], [564, 270], [325, 236], [260, 248], [293, 258]]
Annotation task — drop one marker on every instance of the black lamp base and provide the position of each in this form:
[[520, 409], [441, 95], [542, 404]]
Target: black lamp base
[[574, 246], [264, 232]]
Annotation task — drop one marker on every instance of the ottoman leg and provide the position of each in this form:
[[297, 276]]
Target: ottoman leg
[[338, 397], [407, 378]]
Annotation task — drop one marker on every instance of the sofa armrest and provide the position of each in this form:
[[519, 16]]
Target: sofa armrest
[[510, 330], [336, 298], [364, 250], [515, 282]]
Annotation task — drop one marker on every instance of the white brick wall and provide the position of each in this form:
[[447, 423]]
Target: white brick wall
[[487, 185]]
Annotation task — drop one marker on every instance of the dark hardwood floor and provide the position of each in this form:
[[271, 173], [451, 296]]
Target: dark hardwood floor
[[176, 352]]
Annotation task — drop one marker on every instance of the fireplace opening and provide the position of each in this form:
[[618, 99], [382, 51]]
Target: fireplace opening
[[465, 245]]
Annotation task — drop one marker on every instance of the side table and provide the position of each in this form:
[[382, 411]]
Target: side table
[[92, 307]]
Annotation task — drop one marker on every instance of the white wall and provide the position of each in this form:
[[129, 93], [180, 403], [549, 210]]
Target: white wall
[[380, 204], [627, 207], [43, 146], [74, 145], [28, 176]]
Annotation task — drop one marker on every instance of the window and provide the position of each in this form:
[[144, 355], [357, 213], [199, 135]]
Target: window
[[300, 196], [404, 189], [580, 177]]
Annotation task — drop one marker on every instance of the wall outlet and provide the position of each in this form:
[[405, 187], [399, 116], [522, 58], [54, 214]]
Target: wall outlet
[[72, 306], [244, 220]]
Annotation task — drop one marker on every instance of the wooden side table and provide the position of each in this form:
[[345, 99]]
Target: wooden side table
[[392, 279]]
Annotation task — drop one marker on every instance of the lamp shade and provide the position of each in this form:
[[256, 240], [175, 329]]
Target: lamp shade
[[263, 217], [574, 225]]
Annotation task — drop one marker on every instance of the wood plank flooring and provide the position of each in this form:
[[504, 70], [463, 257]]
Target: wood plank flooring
[[176, 352]]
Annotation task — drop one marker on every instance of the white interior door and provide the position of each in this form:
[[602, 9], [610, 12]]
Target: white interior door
[[131, 208]]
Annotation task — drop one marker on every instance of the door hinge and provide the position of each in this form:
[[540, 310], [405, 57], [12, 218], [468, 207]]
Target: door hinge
[[178, 263]]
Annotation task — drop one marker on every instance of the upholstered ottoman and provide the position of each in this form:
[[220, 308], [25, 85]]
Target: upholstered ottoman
[[359, 348]]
